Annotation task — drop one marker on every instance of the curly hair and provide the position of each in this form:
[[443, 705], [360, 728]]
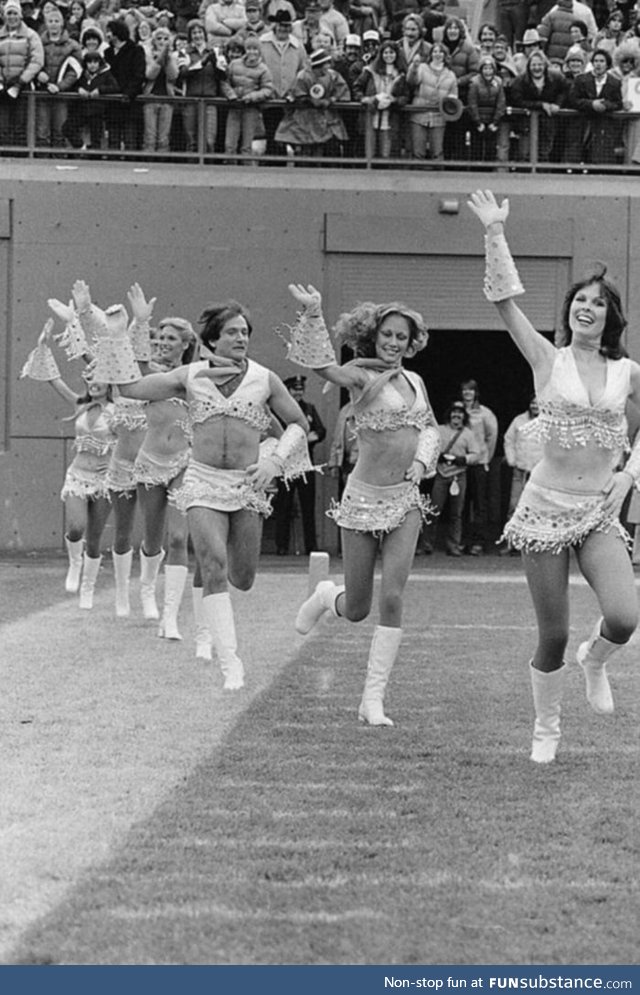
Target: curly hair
[[615, 323], [357, 329]]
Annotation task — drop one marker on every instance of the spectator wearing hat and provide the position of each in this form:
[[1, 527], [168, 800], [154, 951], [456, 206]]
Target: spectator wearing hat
[[21, 59], [84, 126], [349, 64], [531, 42], [285, 56], [271, 7], [306, 28], [487, 106], [222, 19], [201, 76], [543, 89], [370, 45], [61, 71], [384, 89], [161, 77], [256, 23], [312, 123], [250, 84], [597, 94], [305, 489], [611, 35], [431, 82], [127, 62]]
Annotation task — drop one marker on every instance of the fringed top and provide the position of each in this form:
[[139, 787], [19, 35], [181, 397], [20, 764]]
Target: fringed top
[[248, 402]]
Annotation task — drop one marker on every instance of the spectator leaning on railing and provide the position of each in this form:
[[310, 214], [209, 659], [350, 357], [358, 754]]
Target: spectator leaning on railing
[[285, 56], [21, 59], [161, 76]]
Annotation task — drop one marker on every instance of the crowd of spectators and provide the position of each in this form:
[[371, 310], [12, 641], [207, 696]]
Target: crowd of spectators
[[408, 79]]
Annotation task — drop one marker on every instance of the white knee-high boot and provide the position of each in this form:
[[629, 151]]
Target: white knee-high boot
[[218, 612], [547, 701], [382, 656], [149, 567], [74, 552], [592, 657], [90, 568], [122, 573], [322, 600], [175, 577], [203, 634]]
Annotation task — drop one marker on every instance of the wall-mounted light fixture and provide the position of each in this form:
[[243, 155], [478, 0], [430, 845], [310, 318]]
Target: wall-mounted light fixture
[[449, 205]]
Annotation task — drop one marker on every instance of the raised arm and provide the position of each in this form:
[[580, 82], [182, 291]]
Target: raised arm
[[310, 345], [502, 284], [41, 366]]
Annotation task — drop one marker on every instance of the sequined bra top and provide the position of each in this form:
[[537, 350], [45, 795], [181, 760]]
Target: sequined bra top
[[129, 414], [569, 419], [179, 413], [248, 403], [95, 436], [384, 410]]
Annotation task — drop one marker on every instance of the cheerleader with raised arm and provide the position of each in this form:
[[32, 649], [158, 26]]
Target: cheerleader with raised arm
[[573, 497], [381, 509]]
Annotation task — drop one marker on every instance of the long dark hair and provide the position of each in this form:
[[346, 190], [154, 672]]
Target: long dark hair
[[615, 324]]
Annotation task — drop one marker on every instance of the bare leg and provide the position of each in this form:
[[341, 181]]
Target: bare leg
[[548, 579], [153, 503]]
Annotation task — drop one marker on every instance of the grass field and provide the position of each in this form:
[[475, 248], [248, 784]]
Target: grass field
[[155, 821]]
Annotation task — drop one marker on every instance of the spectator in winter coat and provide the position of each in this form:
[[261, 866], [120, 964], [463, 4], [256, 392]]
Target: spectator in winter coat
[[201, 76], [21, 59], [430, 82], [256, 24], [336, 22], [61, 70], [250, 84], [127, 62], [554, 28], [84, 127], [487, 106], [626, 67], [161, 76], [285, 57], [540, 88], [312, 121], [350, 64], [463, 61]]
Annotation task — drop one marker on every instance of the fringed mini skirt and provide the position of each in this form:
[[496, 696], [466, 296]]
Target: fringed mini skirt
[[379, 510], [154, 470], [121, 476], [85, 484], [206, 486], [547, 520]]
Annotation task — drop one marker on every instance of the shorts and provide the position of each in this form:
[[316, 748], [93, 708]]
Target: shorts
[[85, 484], [547, 520], [153, 470], [378, 510], [221, 490], [121, 476]]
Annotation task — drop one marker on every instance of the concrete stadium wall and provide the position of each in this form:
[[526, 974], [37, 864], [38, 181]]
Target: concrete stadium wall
[[190, 235]]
